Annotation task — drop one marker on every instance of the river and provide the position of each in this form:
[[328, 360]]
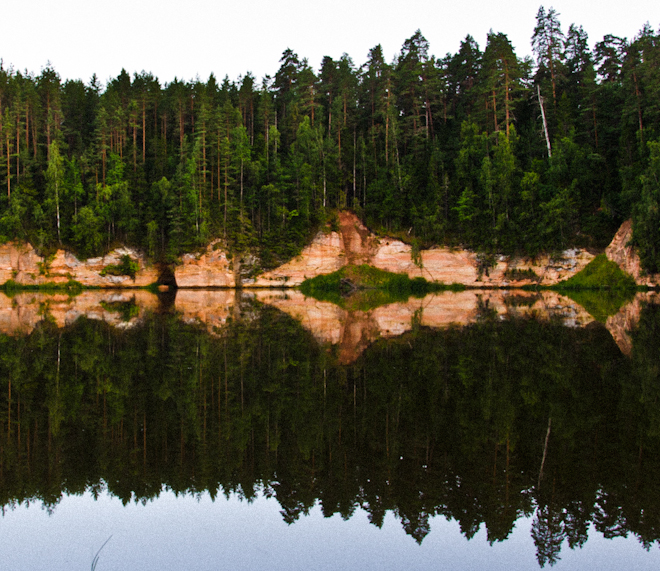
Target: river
[[221, 429]]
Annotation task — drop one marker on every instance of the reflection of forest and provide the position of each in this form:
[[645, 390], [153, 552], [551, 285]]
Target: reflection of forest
[[351, 328], [482, 423]]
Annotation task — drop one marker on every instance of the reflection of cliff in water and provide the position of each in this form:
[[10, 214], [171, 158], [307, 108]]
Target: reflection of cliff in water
[[354, 330], [351, 330], [21, 313], [452, 421]]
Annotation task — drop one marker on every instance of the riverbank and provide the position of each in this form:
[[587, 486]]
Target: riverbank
[[349, 243]]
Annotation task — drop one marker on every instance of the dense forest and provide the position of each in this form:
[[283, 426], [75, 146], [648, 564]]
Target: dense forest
[[479, 148]]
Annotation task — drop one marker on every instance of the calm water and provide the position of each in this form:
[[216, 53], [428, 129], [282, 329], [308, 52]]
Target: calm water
[[210, 430]]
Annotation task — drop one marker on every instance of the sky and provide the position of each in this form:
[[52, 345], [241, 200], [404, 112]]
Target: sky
[[173, 38]]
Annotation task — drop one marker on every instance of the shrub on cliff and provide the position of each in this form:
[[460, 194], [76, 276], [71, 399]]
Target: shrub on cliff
[[600, 273], [126, 267]]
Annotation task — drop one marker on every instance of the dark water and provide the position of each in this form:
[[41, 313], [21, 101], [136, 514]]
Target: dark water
[[208, 432]]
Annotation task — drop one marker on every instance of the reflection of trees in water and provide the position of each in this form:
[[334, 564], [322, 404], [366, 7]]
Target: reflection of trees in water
[[451, 423]]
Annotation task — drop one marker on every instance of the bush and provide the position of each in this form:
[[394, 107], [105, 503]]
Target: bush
[[351, 280], [600, 273], [516, 274], [126, 267]]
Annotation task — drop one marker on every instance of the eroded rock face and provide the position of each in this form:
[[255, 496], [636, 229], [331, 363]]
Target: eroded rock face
[[66, 266], [21, 263], [445, 265], [212, 268], [326, 254], [355, 244], [620, 252]]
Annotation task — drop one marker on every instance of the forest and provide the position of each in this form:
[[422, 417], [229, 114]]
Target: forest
[[480, 148]]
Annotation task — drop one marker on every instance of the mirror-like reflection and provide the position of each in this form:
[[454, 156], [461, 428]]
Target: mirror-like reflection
[[196, 533], [22, 312], [473, 406]]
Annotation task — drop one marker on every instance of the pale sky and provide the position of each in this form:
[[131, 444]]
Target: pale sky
[[193, 38]]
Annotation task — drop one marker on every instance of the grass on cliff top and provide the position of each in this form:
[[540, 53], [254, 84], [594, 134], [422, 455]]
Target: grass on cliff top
[[599, 274], [365, 287]]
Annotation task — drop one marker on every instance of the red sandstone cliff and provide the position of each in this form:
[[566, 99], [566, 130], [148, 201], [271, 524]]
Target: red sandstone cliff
[[21, 263], [622, 253], [355, 244], [328, 252]]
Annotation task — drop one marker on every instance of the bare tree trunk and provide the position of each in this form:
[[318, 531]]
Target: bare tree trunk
[[135, 144], [495, 111], [354, 159], [18, 148], [545, 125], [57, 209], [387, 125]]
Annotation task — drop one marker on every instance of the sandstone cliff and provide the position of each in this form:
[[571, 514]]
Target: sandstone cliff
[[21, 263], [626, 257], [355, 244], [211, 268], [326, 254]]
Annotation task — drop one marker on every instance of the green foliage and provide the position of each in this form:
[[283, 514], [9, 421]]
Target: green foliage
[[517, 274], [447, 150], [485, 262], [600, 273], [601, 304], [70, 287], [416, 254], [370, 286], [646, 214], [126, 267]]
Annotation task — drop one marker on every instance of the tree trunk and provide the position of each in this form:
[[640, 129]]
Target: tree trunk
[[545, 125]]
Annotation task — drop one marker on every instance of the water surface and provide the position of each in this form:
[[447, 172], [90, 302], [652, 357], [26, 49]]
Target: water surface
[[465, 429]]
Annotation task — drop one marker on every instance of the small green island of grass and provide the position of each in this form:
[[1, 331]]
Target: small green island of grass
[[599, 274], [364, 287]]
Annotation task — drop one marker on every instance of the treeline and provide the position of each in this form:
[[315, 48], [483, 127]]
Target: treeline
[[480, 148]]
